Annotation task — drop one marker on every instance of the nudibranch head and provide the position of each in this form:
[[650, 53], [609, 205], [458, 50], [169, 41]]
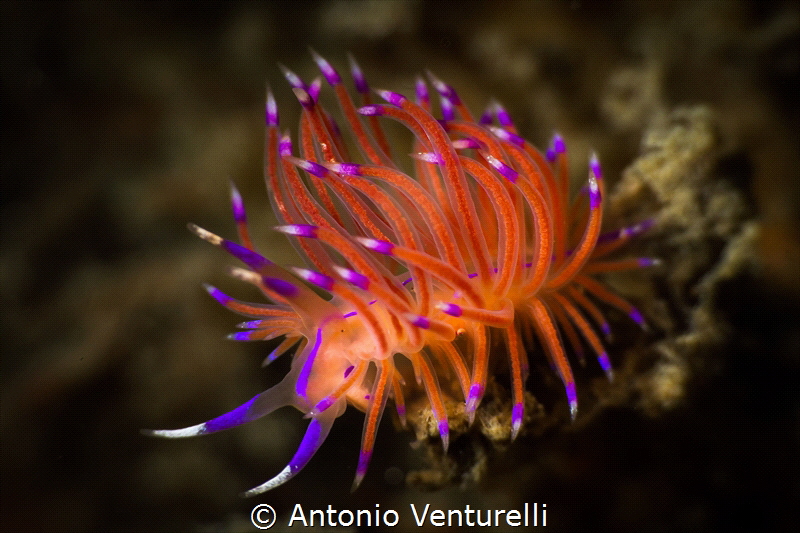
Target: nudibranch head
[[483, 243]]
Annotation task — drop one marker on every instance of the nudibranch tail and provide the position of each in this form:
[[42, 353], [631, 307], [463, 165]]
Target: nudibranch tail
[[481, 245]]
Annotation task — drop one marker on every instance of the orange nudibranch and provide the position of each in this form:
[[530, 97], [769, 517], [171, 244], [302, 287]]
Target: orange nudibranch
[[483, 240]]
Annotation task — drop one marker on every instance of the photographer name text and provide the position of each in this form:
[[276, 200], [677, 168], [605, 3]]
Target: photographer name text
[[531, 515]]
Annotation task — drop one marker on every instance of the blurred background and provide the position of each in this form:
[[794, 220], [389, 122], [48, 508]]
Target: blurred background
[[123, 121]]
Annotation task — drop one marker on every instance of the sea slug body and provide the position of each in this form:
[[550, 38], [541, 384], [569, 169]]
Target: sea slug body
[[483, 244]]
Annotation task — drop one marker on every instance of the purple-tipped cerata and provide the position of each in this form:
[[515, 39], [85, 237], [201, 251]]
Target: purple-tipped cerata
[[424, 277], [505, 135], [331, 76], [359, 280], [559, 146], [421, 91], [310, 166], [293, 79], [358, 77], [594, 193], [392, 97], [299, 230], [371, 110], [382, 247], [252, 259], [594, 166], [348, 169], [239, 214], [508, 172], [486, 117], [502, 116], [444, 90], [282, 287], [315, 278], [285, 146], [447, 110], [271, 110], [450, 309], [217, 294]]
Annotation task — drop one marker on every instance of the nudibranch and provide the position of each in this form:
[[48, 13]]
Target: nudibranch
[[484, 246]]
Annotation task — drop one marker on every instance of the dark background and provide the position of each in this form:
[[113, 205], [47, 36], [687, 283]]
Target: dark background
[[123, 121]]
